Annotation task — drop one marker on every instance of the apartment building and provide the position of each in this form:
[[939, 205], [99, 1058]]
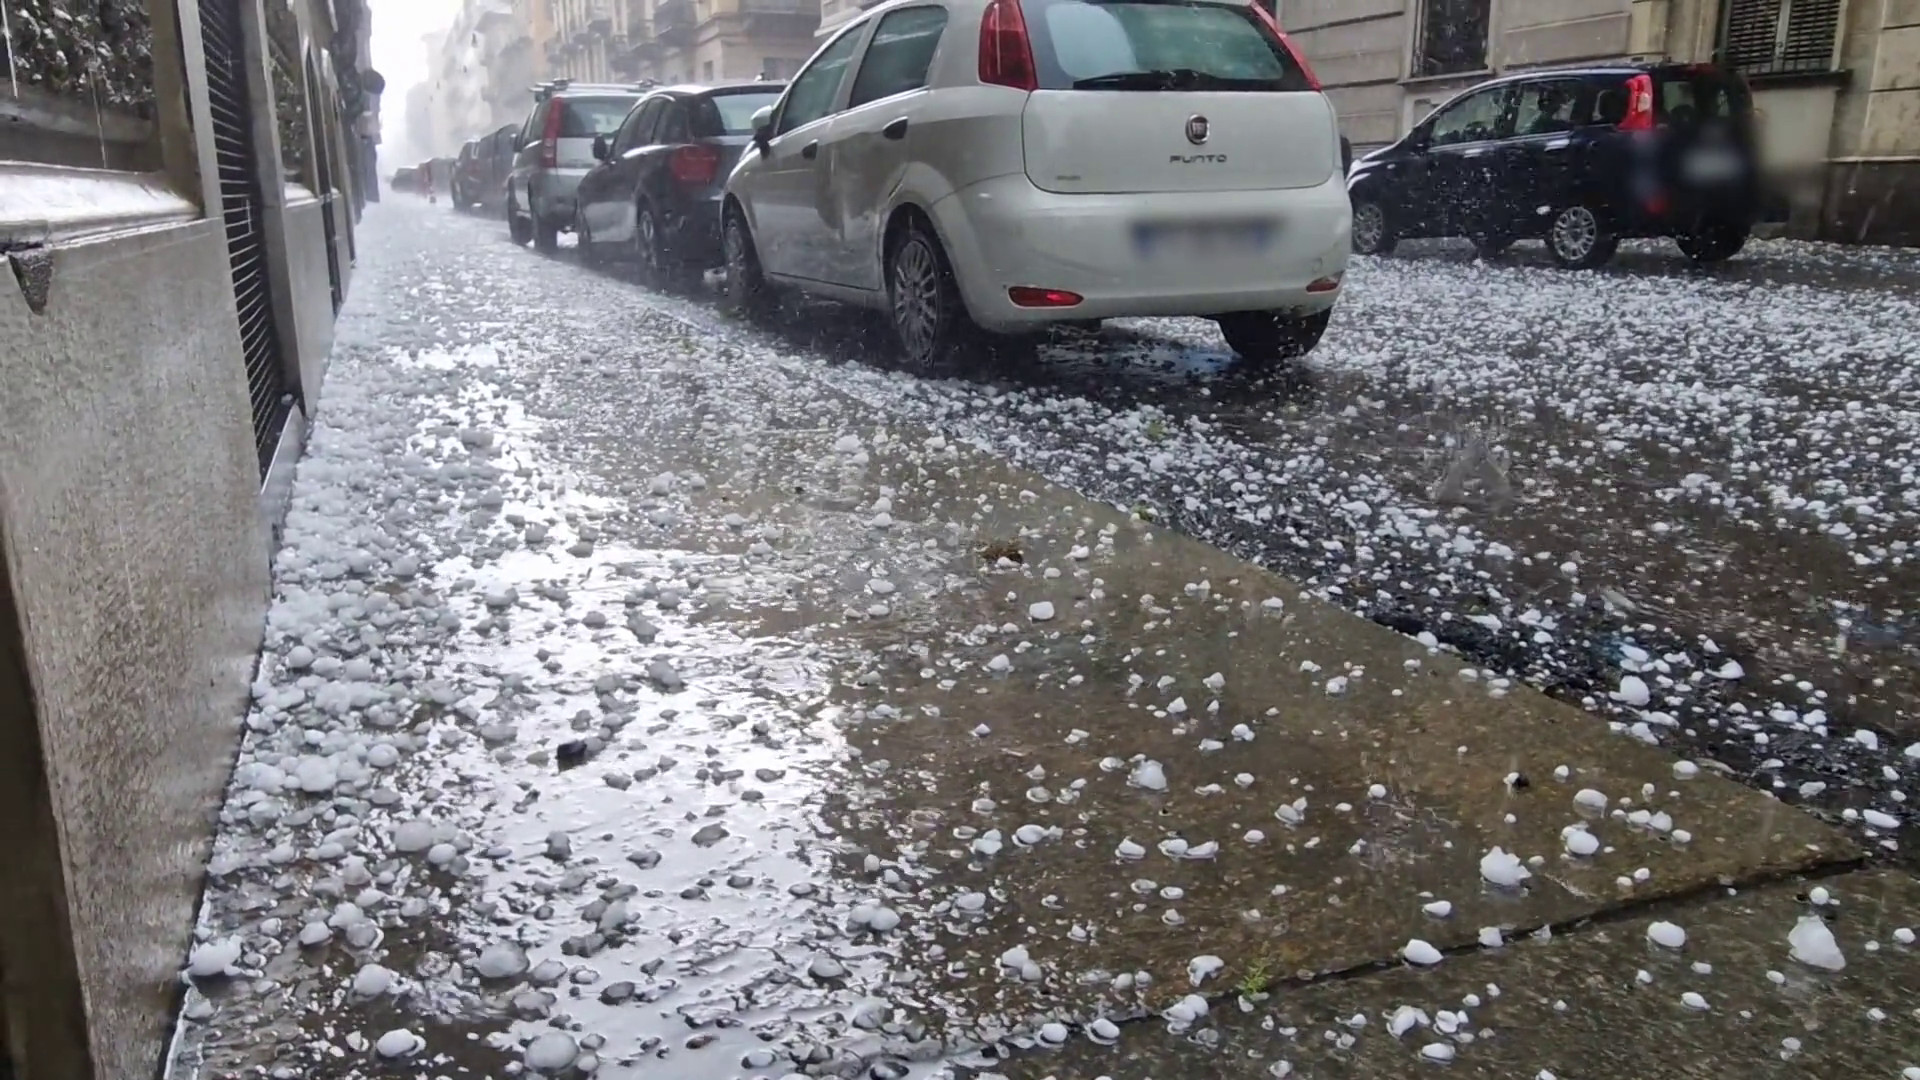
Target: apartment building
[[1836, 82], [720, 40]]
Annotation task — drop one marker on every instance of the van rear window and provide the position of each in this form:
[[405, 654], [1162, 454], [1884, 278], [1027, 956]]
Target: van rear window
[[1681, 99], [1156, 45], [583, 118]]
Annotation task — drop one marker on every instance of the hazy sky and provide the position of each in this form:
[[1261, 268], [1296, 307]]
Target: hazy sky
[[398, 26]]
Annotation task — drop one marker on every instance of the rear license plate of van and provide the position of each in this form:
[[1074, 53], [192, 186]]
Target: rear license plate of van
[[1202, 239], [1714, 166]]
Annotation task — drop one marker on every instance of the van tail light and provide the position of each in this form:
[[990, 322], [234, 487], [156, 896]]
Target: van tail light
[[1639, 104], [1006, 52], [550, 135], [694, 166], [1266, 19]]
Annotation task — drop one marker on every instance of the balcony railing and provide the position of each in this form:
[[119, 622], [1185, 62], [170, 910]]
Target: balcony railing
[[780, 7], [674, 22]]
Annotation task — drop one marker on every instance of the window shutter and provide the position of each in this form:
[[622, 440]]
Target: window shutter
[[1812, 28], [1771, 37]]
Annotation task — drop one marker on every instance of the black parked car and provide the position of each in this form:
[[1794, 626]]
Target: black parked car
[[1581, 158], [656, 193], [497, 152]]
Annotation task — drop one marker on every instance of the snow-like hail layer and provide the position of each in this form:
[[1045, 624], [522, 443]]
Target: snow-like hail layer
[[384, 793]]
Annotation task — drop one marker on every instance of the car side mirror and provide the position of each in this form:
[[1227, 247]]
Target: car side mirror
[[600, 148], [762, 122]]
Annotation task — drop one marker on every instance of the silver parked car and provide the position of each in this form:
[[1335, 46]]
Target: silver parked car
[[555, 151]]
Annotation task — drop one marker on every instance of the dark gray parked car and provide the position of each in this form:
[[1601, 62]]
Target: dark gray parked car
[[556, 150], [656, 194]]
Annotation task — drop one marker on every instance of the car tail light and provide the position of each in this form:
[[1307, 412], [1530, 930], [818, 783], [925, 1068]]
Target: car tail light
[[694, 166], [1324, 285], [550, 135], [1029, 297], [1639, 104], [1266, 18], [1006, 53]]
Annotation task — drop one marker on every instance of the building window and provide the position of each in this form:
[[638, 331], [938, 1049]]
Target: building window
[[1779, 37], [778, 67], [706, 70], [1452, 37]]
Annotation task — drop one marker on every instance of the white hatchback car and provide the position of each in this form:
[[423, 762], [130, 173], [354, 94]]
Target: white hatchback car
[[1002, 165]]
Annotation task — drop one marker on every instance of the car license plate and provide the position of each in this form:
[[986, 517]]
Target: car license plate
[[1714, 166], [1202, 239]]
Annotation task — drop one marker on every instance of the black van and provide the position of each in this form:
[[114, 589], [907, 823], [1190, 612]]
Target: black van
[[1581, 158]]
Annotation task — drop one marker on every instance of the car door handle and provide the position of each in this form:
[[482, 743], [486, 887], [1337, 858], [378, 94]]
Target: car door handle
[[896, 130], [811, 150]]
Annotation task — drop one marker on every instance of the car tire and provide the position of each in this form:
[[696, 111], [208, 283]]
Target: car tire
[[1579, 237], [1272, 337], [653, 262], [519, 229], [1372, 230], [589, 252], [1714, 242], [745, 289], [924, 305], [546, 237]]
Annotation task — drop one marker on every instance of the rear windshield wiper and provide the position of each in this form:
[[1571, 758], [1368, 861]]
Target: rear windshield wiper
[[1175, 79]]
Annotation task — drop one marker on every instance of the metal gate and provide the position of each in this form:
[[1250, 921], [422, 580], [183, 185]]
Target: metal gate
[[244, 211]]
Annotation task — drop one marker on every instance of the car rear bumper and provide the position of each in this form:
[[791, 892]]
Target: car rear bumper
[[1006, 233], [551, 194]]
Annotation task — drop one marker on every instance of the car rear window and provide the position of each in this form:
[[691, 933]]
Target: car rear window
[[1157, 45], [1690, 97], [732, 114], [583, 118]]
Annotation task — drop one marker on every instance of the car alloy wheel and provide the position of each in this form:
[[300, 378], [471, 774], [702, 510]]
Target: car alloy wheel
[[646, 243], [744, 289], [915, 289], [1369, 227], [1575, 233]]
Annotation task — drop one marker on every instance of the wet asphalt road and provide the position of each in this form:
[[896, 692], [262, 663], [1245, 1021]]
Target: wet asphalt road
[[1650, 471], [629, 683]]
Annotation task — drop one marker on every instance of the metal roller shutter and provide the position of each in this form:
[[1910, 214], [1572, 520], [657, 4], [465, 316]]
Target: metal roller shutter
[[243, 210]]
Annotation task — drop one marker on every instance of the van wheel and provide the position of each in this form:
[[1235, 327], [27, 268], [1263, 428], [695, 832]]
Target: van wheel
[[923, 300], [1714, 241], [1580, 239], [1372, 232], [519, 229], [1270, 337], [589, 253], [546, 237], [745, 290]]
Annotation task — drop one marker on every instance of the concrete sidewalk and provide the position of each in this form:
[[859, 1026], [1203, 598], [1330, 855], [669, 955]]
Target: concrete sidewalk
[[638, 705]]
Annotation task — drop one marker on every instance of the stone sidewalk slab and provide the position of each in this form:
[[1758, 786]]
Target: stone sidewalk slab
[[1600, 1003]]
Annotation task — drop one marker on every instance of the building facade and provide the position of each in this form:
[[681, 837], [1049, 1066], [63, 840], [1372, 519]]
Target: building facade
[[176, 266], [1836, 82], [460, 102], [718, 40]]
